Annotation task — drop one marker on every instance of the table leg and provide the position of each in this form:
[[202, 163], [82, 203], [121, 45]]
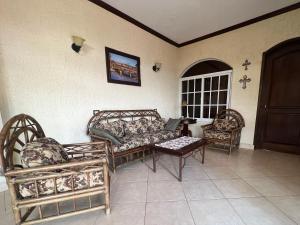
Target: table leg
[[180, 168], [154, 160]]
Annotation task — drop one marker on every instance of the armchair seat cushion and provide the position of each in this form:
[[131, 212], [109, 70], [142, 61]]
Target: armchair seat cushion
[[63, 184], [134, 141], [43, 151], [217, 134]]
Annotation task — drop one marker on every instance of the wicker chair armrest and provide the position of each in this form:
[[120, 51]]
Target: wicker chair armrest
[[236, 130], [50, 168], [99, 138], [91, 149], [207, 126], [97, 143]]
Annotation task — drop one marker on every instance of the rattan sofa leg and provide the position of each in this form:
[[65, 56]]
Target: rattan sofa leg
[[143, 158], [112, 162], [113, 165], [107, 189]]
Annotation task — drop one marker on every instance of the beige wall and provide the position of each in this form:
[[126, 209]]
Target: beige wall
[[233, 48], [42, 76]]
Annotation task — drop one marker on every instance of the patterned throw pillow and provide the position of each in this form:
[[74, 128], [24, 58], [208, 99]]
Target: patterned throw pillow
[[43, 151], [115, 127], [139, 126], [156, 125], [225, 125], [172, 124]]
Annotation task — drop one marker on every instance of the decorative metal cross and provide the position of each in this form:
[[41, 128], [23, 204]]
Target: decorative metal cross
[[246, 64], [244, 81]]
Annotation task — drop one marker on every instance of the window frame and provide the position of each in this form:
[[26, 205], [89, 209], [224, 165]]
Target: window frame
[[202, 77]]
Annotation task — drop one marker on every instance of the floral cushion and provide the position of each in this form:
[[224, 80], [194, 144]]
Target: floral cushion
[[225, 125], [115, 127], [156, 125], [134, 141], [129, 142], [215, 134], [136, 126], [63, 184], [43, 151], [163, 135]]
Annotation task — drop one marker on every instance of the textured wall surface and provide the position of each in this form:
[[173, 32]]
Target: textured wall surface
[[42, 76], [233, 48]]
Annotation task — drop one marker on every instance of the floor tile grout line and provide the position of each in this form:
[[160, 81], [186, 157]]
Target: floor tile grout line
[[236, 212], [221, 192], [266, 198], [187, 202], [146, 197], [262, 195]]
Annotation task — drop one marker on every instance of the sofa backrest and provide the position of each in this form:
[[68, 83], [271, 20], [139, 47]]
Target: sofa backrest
[[108, 116]]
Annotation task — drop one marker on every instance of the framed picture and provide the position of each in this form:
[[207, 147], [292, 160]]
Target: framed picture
[[122, 68]]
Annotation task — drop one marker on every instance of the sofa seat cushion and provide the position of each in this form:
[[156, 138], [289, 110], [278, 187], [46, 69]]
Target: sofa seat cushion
[[216, 134], [139, 126], [43, 151], [129, 142], [63, 184], [224, 125], [134, 141], [115, 127], [163, 135]]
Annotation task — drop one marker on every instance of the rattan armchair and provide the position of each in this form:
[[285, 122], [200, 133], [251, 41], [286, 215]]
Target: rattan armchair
[[85, 159], [225, 129]]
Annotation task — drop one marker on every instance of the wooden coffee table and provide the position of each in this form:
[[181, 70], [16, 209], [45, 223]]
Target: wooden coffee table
[[182, 148]]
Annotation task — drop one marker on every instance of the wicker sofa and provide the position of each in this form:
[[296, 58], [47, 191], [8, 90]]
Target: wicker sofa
[[137, 130], [41, 173]]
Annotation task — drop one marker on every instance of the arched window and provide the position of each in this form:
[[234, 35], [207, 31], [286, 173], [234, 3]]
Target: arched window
[[205, 89]]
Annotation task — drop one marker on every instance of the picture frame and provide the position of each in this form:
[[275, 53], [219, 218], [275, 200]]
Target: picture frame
[[122, 68]]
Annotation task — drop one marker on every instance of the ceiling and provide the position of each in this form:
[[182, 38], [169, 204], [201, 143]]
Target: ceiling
[[185, 20]]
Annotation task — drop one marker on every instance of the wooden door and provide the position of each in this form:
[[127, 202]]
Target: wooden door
[[278, 113]]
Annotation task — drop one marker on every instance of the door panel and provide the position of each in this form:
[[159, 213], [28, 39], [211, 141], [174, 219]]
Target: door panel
[[285, 80], [282, 128], [278, 114]]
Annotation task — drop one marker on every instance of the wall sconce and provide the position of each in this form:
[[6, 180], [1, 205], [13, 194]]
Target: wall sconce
[[156, 67], [77, 43]]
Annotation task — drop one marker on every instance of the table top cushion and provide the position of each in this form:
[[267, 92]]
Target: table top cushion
[[178, 143]]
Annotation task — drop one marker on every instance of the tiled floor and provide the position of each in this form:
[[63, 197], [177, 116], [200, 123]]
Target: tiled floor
[[246, 188]]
